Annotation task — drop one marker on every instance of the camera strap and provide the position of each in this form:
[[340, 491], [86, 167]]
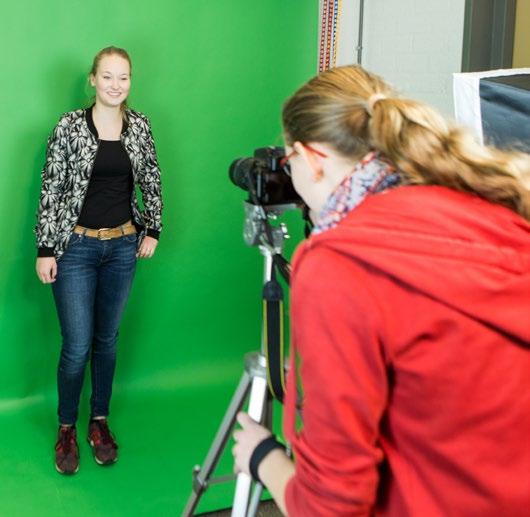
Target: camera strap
[[283, 266], [273, 335], [308, 226]]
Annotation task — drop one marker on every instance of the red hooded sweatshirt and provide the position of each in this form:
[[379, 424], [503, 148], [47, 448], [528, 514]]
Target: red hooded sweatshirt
[[411, 360]]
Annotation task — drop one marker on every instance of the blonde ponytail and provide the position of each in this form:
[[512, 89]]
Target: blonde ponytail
[[355, 111], [430, 152]]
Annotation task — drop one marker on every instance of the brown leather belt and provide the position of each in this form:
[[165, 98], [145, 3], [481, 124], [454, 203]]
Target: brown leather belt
[[105, 234]]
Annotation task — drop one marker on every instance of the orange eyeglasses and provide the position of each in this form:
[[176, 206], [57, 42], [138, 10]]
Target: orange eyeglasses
[[284, 162]]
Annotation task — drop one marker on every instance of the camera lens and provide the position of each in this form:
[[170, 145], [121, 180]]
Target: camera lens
[[239, 171]]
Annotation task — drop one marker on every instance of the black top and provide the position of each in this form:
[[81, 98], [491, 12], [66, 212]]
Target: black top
[[108, 198]]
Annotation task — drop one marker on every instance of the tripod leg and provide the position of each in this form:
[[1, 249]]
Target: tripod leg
[[254, 502], [258, 489], [201, 478], [256, 407]]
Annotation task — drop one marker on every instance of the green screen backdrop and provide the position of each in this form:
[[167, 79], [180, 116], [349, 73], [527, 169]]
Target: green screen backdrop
[[211, 76]]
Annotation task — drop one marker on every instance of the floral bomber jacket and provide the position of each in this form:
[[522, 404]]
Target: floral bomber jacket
[[70, 158]]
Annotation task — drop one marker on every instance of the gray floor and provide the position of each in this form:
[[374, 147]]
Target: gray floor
[[266, 509]]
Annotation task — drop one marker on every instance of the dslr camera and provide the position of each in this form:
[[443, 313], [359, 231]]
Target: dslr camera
[[262, 176]]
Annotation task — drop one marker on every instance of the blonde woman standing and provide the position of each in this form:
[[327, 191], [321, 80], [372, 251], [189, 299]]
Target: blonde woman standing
[[90, 232]]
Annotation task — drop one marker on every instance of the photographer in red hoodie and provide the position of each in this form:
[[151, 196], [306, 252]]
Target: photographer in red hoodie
[[409, 386]]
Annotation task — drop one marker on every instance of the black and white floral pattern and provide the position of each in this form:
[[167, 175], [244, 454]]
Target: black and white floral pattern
[[70, 158]]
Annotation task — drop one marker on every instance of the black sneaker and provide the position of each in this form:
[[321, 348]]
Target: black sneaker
[[101, 440], [67, 451]]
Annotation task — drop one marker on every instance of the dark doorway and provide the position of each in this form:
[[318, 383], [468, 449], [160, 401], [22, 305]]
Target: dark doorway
[[489, 27]]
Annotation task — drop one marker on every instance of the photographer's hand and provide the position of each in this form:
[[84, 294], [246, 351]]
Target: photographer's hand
[[275, 470], [247, 439]]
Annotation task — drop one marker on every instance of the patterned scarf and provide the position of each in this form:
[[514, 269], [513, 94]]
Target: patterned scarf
[[370, 175]]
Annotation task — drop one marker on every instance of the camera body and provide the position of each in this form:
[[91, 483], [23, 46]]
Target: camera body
[[262, 177]]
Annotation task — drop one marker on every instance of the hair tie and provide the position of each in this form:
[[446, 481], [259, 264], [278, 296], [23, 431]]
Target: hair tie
[[372, 100]]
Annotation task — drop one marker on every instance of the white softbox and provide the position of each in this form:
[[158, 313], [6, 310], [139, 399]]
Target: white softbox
[[496, 105]]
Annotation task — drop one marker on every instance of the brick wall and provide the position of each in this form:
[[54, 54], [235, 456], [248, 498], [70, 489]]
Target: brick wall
[[416, 45]]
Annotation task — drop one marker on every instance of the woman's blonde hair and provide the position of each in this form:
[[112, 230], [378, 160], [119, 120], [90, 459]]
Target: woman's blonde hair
[[355, 111], [111, 51]]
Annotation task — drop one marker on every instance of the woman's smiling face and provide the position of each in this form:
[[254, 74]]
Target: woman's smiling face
[[112, 80]]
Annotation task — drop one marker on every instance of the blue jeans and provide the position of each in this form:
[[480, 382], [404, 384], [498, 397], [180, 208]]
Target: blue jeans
[[94, 278]]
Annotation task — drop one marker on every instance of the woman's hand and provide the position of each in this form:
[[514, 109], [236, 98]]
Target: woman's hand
[[247, 439], [147, 248], [46, 268], [275, 470]]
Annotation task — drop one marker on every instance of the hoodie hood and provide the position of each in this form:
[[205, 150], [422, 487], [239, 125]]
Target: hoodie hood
[[456, 248]]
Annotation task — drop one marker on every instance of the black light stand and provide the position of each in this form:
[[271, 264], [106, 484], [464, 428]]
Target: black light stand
[[259, 374]]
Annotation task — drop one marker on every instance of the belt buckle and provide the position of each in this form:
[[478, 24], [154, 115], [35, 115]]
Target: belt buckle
[[103, 238]]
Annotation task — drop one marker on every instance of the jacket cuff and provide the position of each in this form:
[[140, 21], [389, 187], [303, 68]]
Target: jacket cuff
[[153, 233], [45, 252]]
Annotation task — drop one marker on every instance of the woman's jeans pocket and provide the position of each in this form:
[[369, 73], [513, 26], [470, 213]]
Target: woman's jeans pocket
[[74, 240]]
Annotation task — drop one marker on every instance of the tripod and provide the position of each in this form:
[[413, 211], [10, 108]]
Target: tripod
[[253, 384]]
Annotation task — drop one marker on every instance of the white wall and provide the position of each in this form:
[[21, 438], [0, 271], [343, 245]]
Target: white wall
[[416, 45]]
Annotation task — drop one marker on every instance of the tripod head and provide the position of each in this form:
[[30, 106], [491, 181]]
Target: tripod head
[[258, 231]]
